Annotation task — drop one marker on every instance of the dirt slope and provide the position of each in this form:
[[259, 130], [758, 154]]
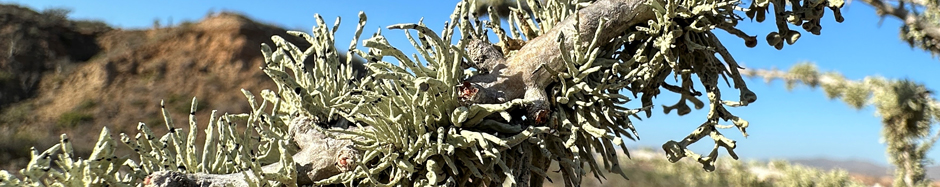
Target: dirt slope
[[77, 77]]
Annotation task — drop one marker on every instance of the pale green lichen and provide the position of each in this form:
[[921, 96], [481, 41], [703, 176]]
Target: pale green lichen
[[421, 135], [906, 108], [226, 150], [920, 27]]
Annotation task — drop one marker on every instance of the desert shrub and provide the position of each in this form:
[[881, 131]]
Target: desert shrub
[[56, 14], [91, 26]]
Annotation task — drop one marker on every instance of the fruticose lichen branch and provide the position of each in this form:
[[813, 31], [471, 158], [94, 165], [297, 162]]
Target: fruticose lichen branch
[[547, 92], [907, 110], [921, 27]]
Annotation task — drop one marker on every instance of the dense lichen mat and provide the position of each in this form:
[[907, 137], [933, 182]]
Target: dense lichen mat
[[452, 115]]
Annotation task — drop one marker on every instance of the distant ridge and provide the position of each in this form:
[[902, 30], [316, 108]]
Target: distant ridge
[[870, 170], [852, 165]]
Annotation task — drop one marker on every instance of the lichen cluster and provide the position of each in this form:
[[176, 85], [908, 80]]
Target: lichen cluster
[[412, 129], [422, 135], [906, 108], [680, 40], [921, 22], [228, 149], [806, 14]]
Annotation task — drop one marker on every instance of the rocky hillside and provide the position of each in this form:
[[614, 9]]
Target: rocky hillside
[[63, 76]]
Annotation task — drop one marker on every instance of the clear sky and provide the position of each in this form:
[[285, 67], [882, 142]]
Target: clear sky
[[797, 124]]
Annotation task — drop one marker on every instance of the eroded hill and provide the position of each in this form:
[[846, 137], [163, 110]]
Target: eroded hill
[[61, 76]]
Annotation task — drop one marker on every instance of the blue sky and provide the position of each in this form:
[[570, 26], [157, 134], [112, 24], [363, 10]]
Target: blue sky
[[797, 124]]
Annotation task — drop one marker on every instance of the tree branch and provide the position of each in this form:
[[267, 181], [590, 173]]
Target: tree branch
[[827, 80], [930, 29], [522, 75], [321, 156], [906, 109], [527, 73]]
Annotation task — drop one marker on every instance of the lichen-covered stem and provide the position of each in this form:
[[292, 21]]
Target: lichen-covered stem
[[174, 179], [522, 71], [620, 15], [321, 156]]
